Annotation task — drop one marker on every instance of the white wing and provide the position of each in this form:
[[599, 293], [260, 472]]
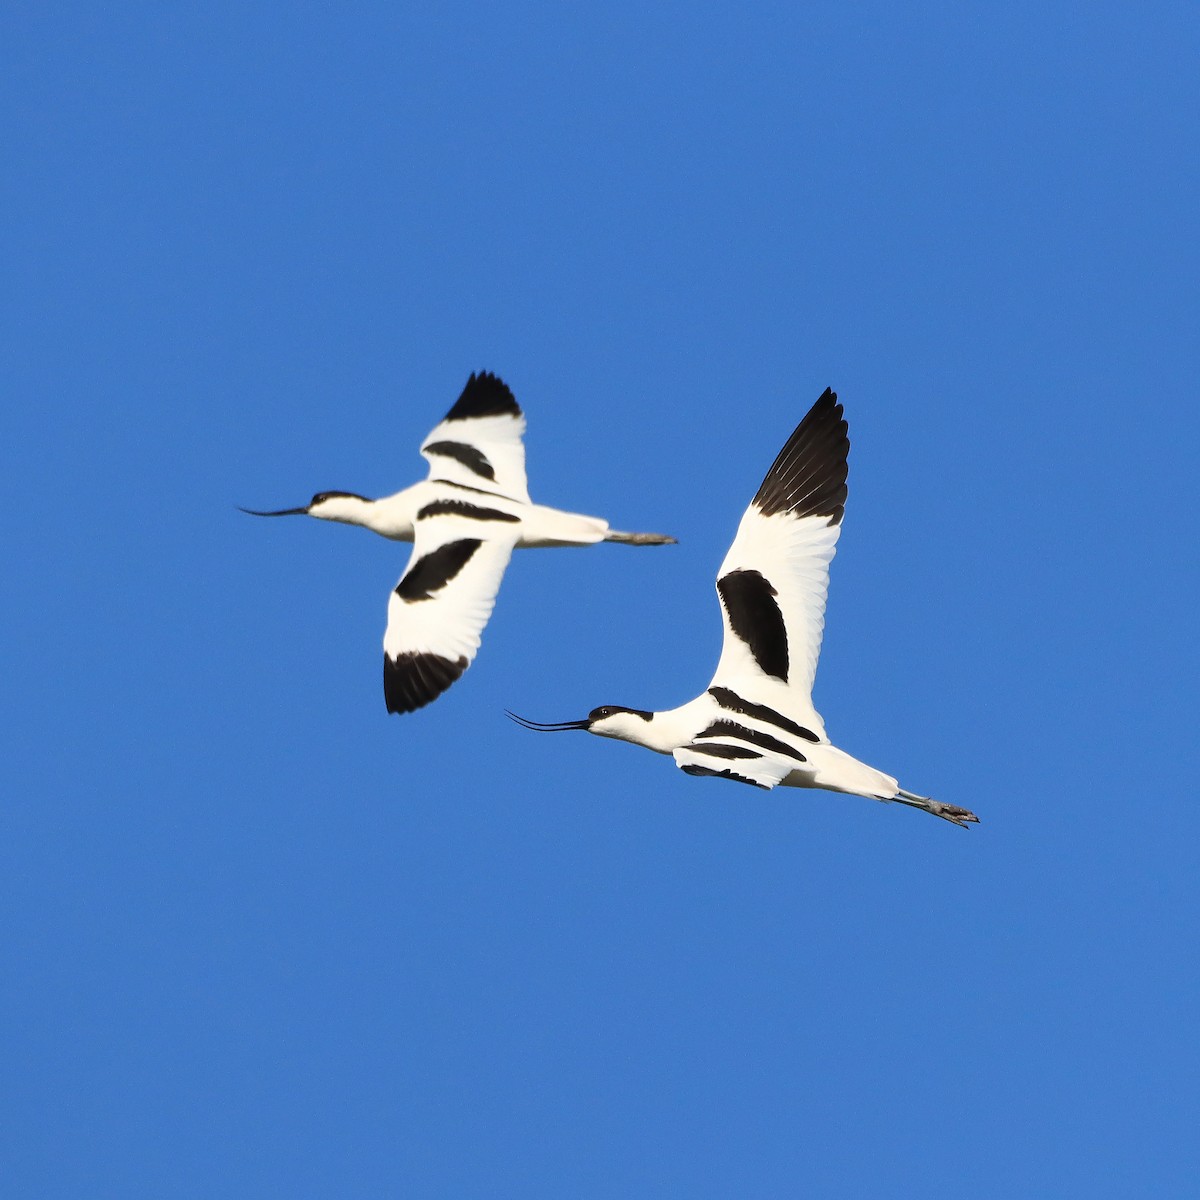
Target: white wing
[[773, 582], [444, 599], [477, 445]]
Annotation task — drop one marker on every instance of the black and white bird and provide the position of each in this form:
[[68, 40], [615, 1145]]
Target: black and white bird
[[756, 722], [464, 521]]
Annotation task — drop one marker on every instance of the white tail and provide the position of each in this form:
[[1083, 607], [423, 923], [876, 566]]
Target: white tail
[[542, 526]]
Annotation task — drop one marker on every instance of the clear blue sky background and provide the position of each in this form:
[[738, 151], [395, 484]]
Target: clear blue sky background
[[261, 939]]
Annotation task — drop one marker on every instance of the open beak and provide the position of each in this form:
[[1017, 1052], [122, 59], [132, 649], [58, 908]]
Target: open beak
[[552, 727], [283, 512]]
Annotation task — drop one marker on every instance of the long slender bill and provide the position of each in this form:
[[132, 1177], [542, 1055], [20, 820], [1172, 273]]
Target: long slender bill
[[282, 512], [541, 727]]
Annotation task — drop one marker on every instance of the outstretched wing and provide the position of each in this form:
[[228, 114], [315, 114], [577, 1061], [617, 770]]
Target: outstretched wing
[[437, 611], [773, 582], [478, 444]]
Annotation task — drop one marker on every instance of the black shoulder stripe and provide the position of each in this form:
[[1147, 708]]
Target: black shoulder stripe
[[431, 572], [808, 478], [470, 456], [754, 617], [697, 769], [718, 750], [413, 680], [731, 729], [461, 508], [732, 702], [484, 396]]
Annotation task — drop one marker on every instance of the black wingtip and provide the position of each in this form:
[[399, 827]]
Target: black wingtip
[[808, 478], [485, 395], [413, 680]]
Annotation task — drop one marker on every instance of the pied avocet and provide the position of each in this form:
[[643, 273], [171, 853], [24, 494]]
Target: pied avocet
[[756, 723], [464, 521]]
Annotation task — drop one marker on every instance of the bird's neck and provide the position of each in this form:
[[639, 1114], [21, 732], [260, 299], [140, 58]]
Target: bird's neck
[[662, 733], [390, 517]]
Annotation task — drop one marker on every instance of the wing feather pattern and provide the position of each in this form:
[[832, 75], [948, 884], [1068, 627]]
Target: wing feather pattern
[[732, 760], [437, 611], [478, 444], [774, 580]]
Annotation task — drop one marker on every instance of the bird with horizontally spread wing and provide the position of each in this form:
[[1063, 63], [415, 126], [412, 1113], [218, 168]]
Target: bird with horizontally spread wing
[[464, 521], [756, 723]]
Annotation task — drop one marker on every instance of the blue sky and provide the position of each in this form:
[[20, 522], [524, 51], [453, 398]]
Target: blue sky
[[260, 939]]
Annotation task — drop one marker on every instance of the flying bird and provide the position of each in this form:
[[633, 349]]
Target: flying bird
[[756, 722], [464, 521]]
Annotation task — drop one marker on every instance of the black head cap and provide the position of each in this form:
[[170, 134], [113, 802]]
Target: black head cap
[[611, 710], [332, 496]]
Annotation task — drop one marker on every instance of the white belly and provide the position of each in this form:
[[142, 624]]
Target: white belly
[[835, 771]]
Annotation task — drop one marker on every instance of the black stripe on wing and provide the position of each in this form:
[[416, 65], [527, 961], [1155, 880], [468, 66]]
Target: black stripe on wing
[[431, 572], [413, 680], [728, 773], [749, 600], [732, 702], [720, 750], [461, 508], [722, 728], [808, 478], [470, 456], [484, 396]]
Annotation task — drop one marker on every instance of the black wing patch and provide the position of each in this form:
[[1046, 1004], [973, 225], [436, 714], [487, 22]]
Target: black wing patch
[[462, 508], [749, 599], [431, 572], [732, 702], [723, 728], [717, 750], [484, 396], [808, 478], [413, 680], [470, 456], [697, 769]]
